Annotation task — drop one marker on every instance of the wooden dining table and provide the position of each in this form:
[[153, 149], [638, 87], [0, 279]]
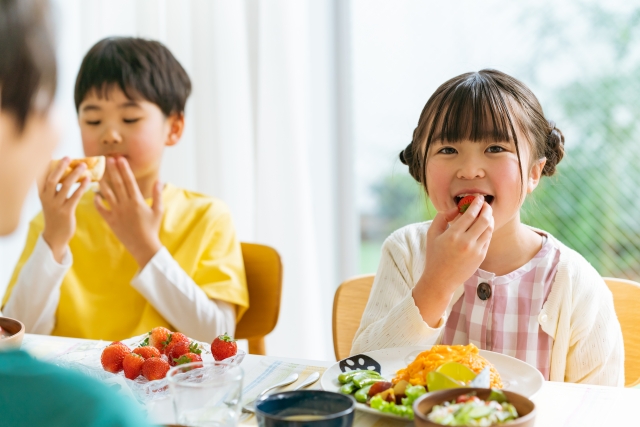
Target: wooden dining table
[[557, 404]]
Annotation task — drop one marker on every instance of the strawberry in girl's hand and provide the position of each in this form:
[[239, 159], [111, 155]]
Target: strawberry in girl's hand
[[158, 337], [155, 368], [147, 352], [223, 346], [112, 357], [188, 358], [132, 365], [464, 203], [173, 340], [180, 349]]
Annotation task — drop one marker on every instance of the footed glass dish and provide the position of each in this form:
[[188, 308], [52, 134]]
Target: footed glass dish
[[88, 362]]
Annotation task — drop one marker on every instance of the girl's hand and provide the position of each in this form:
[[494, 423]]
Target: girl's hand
[[135, 224], [454, 253], [59, 207]]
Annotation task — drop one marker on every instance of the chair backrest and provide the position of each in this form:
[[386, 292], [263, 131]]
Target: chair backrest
[[626, 299], [264, 279], [348, 306]]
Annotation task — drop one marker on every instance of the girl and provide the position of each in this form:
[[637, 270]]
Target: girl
[[483, 277]]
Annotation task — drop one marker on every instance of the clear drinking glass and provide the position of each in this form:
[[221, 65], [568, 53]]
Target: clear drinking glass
[[206, 393]]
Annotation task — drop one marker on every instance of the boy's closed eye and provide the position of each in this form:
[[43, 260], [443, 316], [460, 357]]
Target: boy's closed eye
[[132, 120]]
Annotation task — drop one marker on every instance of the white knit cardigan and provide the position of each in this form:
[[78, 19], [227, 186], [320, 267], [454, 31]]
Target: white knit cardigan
[[578, 314]]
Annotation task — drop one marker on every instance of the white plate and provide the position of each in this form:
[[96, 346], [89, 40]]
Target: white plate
[[517, 376]]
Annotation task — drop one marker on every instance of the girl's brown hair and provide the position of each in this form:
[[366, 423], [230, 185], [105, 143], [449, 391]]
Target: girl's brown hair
[[481, 106]]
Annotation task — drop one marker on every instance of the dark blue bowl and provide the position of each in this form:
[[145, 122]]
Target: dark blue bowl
[[313, 408]]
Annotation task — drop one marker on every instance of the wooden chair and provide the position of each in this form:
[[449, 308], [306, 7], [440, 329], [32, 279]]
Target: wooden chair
[[626, 300], [264, 280], [349, 303]]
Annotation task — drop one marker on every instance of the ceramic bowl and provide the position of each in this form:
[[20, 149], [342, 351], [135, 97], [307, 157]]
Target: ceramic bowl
[[421, 407], [16, 331], [313, 408]]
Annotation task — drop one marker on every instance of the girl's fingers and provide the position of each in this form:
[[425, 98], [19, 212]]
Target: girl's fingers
[[485, 237], [128, 179], [465, 221], [53, 178], [116, 180], [451, 214], [483, 222]]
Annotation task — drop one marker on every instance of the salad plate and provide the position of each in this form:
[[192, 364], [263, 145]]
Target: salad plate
[[517, 376]]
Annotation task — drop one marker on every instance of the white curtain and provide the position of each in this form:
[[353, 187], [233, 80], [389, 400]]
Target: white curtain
[[268, 132]]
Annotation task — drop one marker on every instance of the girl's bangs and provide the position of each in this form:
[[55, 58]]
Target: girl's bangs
[[473, 110]]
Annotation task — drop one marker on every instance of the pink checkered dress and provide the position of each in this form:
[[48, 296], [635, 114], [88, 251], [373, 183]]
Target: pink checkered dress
[[507, 321]]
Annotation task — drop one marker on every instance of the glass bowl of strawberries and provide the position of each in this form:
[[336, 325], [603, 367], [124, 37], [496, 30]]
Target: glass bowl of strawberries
[[140, 364]]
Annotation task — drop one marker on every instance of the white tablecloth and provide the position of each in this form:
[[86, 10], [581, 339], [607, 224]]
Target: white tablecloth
[[558, 404]]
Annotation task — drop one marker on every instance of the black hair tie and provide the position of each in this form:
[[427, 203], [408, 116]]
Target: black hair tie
[[407, 154]]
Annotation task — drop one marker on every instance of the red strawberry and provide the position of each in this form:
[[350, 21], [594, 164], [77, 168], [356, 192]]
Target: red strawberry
[[158, 337], [132, 365], [147, 352], [180, 349], [112, 357], [173, 340], [223, 346], [155, 368], [188, 358], [464, 203]]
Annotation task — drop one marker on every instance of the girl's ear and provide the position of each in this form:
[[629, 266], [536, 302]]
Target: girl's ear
[[176, 127], [535, 174]]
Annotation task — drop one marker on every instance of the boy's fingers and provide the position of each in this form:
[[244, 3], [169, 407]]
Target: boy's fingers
[[53, 178], [75, 197], [116, 180], [71, 179], [107, 194], [104, 212], [157, 198], [128, 179]]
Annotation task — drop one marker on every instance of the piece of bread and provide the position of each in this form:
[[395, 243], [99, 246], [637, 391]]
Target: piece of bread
[[94, 171]]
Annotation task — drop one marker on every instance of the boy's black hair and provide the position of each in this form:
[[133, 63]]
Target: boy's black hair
[[27, 58], [141, 68]]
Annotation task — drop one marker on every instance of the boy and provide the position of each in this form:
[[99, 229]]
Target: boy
[[32, 392], [137, 254]]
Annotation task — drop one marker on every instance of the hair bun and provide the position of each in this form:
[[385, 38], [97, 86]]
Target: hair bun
[[406, 154], [554, 150]]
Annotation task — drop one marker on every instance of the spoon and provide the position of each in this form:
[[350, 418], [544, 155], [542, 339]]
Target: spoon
[[311, 379]]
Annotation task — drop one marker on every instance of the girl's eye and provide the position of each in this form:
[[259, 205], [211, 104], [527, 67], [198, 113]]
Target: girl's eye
[[495, 149], [93, 123], [447, 150], [130, 120]]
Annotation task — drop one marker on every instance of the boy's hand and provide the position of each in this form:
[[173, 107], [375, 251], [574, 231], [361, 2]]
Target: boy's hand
[[59, 207], [134, 223], [454, 253]]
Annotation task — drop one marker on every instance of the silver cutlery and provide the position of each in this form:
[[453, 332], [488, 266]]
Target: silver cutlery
[[250, 407], [311, 379]]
